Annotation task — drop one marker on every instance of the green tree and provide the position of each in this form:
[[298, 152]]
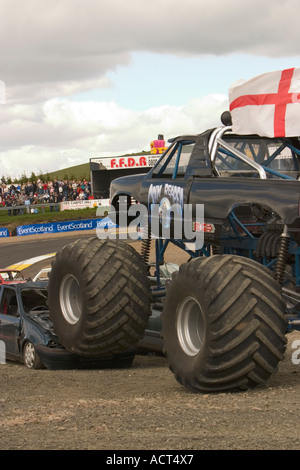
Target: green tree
[[24, 178], [33, 176]]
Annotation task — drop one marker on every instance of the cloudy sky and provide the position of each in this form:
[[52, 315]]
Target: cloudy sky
[[86, 78]]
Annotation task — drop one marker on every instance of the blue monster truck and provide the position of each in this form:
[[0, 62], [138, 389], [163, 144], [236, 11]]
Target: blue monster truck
[[223, 315]]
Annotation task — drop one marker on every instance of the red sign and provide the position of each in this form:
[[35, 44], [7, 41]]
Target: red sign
[[129, 162], [208, 228], [114, 163]]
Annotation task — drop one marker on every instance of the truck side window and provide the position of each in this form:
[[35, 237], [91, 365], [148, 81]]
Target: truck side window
[[275, 155], [184, 160]]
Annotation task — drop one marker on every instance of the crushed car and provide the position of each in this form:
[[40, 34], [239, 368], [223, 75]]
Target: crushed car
[[28, 334], [11, 275]]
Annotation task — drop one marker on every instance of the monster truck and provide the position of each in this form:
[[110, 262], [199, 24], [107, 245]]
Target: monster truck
[[225, 313]]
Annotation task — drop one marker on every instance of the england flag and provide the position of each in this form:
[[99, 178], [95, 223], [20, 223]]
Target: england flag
[[267, 105]]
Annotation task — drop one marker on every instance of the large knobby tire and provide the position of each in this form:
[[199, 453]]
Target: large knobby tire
[[99, 297], [223, 324]]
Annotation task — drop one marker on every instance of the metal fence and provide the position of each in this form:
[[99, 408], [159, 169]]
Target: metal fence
[[27, 208]]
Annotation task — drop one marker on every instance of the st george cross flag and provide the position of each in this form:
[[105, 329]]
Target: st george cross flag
[[267, 105]]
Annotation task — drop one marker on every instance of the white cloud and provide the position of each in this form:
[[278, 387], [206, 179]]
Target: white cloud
[[80, 40], [51, 52], [62, 133]]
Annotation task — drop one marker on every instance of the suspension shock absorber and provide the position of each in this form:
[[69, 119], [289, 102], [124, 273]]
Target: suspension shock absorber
[[146, 243], [283, 248], [216, 250]]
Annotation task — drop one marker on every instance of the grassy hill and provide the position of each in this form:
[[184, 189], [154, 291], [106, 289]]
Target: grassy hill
[[80, 172], [77, 172]]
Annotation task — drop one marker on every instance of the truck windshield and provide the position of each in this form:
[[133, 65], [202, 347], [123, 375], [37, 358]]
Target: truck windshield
[[175, 161]]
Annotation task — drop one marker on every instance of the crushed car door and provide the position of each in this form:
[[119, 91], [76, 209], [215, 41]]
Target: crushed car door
[[9, 321]]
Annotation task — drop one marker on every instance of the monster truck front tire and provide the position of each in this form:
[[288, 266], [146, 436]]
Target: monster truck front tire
[[223, 324], [99, 297]]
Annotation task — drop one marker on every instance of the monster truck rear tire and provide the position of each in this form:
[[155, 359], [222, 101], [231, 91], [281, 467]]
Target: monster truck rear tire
[[223, 324], [99, 297]]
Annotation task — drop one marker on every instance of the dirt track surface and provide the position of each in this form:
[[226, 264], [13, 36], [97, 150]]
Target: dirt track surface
[[145, 408]]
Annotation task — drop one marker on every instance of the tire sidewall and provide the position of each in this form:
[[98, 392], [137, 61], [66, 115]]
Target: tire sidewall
[[69, 333], [111, 310], [245, 324], [175, 296]]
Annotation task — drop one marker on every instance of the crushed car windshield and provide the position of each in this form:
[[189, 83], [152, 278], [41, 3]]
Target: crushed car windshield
[[33, 298]]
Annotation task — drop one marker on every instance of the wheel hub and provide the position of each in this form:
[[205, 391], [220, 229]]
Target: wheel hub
[[190, 326], [29, 355], [70, 298]]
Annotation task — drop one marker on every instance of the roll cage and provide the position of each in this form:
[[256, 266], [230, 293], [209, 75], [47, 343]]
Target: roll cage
[[258, 153], [232, 155]]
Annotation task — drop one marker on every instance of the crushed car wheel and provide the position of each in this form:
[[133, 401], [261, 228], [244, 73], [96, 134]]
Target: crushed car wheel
[[99, 297], [223, 324], [31, 358]]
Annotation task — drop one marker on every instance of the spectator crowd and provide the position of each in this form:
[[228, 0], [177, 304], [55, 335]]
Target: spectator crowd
[[40, 192]]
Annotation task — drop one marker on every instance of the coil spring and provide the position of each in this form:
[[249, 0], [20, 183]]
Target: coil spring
[[146, 245], [284, 242], [216, 250]]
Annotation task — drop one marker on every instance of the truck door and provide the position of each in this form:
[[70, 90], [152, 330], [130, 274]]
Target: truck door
[[166, 187]]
